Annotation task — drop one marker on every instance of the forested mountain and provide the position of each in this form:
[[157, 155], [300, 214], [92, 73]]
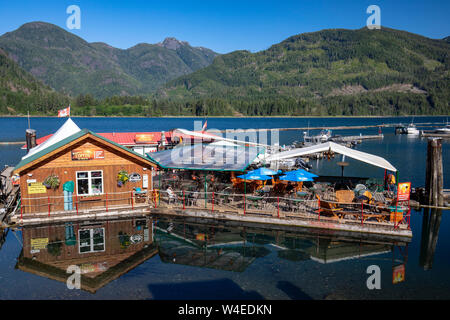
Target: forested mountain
[[329, 72], [20, 92], [71, 65], [335, 72]]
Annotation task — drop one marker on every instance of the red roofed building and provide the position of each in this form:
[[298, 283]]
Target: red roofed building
[[140, 142]]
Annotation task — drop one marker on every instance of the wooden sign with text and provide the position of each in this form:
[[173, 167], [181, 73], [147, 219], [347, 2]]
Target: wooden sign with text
[[88, 154]]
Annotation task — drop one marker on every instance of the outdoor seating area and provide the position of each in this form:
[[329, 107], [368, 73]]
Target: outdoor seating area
[[287, 194]]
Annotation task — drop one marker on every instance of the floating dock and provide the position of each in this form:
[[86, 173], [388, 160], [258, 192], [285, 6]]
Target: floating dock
[[324, 224], [359, 138], [432, 134]]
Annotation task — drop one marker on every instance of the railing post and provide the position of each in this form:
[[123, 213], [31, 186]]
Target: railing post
[[362, 213], [245, 205], [132, 202], [409, 218], [212, 202], [278, 206], [184, 206], [21, 209], [48, 201], [106, 202], [318, 206], [76, 202]]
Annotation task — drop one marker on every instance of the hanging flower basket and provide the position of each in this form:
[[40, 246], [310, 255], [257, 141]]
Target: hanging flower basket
[[122, 178], [52, 182]]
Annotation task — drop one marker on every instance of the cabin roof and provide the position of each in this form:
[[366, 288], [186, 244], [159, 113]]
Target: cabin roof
[[31, 159]]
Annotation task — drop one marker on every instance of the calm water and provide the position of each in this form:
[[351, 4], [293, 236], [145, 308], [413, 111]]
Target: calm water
[[197, 260]]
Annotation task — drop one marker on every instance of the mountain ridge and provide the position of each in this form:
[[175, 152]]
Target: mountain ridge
[[397, 71], [74, 66]]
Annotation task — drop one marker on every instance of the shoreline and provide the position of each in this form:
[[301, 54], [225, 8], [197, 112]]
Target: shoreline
[[226, 117]]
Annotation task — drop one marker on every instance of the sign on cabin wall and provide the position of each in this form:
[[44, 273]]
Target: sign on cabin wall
[[88, 154], [36, 187], [135, 177], [404, 191]]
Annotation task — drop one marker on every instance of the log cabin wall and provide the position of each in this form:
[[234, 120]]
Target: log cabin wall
[[62, 165]]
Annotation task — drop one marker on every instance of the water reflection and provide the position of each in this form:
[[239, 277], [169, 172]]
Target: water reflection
[[431, 223], [106, 250], [103, 250], [234, 248], [3, 234]]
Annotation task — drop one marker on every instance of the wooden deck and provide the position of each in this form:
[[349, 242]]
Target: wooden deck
[[100, 213], [300, 213], [318, 214], [299, 220]]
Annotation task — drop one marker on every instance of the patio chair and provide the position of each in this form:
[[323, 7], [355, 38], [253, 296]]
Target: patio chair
[[171, 198], [345, 196], [330, 208]]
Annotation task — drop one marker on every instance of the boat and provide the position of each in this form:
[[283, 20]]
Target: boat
[[322, 137], [411, 129], [445, 129]]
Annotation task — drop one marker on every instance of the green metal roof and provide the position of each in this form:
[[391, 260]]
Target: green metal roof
[[68, 140]]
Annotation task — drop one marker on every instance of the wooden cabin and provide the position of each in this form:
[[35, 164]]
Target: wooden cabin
[[91, 164]]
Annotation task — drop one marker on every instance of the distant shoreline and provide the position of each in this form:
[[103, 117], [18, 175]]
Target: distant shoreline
[[225, 117]]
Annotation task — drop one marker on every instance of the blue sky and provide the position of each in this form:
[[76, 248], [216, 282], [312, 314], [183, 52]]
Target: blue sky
[[223, 26]]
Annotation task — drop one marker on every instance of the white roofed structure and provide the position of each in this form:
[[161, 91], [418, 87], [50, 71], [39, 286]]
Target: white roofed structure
[[66, 130], [337, 148], [217, 138]]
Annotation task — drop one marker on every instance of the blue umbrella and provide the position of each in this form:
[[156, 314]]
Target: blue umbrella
[[263, 171], [251, 176], [295, 178], [302, 172]]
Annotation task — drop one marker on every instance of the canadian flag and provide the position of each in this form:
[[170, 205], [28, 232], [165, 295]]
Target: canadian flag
[[64, 112], [204, 126]]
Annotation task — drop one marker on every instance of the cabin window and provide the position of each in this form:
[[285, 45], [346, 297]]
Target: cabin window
[[89, 182], [91, 240]]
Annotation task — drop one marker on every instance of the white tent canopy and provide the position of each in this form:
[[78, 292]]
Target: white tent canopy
[[217, 138], [67, 129], [337, 148]]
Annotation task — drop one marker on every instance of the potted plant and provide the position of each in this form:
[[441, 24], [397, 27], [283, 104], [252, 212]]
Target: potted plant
[[52, 181], [122, 177]]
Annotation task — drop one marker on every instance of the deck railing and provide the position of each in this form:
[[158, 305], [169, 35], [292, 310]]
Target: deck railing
[[261, 205], [51, 205], [284, 207]]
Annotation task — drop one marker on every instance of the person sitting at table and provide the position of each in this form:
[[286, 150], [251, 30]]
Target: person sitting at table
[[171, 194], [290, 188]]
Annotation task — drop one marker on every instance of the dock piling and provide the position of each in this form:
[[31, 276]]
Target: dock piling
[[434, 174]]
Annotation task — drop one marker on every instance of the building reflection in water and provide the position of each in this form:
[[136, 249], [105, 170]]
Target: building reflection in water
[[105, 250], [102, 250]]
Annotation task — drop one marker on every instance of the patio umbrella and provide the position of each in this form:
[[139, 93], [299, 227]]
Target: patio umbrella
[[252, 176], [263, 171], [295, 178], [302, 172]]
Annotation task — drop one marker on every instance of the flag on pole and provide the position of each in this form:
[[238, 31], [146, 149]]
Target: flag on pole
[[204, 126], [64, 112]]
